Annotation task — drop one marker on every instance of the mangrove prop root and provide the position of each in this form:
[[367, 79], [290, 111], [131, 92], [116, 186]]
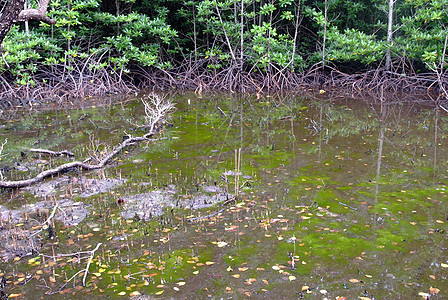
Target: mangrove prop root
[[76, 164]]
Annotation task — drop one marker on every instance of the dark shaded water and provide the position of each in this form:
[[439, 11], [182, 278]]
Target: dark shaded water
[[334, 200]]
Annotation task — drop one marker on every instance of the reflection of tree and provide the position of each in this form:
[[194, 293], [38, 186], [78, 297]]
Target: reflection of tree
[[380, 148], [436, 143]]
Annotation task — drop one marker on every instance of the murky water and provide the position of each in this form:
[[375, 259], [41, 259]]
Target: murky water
[[334, 200]]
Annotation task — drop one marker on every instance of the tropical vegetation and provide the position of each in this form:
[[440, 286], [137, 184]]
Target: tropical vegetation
[[103, 46]]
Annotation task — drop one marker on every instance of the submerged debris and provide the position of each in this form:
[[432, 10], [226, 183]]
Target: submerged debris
[[19, 227], [82, 186], [148, 205]]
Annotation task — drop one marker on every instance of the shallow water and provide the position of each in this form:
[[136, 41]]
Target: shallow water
[[335, 199]]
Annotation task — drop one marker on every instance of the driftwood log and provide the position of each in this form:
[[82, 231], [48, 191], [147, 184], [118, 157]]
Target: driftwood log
[[107, 158]]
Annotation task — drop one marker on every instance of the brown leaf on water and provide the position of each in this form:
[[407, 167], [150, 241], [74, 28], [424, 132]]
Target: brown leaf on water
[[14, 295], [243, 269], [353, 280], [52, 279], [432, 276], [433, 291], [66, 291]]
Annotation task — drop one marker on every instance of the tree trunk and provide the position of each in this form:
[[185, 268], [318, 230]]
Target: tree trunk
[[325, 35], [14, 12], [9, 16], [389, 34]]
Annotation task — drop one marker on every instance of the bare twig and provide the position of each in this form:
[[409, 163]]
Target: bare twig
[[47, 222], [91, 255]]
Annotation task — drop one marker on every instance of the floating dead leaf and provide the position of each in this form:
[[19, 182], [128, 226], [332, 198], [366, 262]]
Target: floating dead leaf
[[229, 269], [440, 221], [276, 268], [121, 293], [353, 280], [176, 289], [181, 283], [228, 288], [135, 293], [305, 287], [52, 279], [244, 269], [265, 281], [14, 295], [196, 272], [292, 278], [368, 276], [323, 292], [160, 286], [159, 293], [432, 276], [433, 291], [209, 263], [413, 223], [444, 265], [221, 244], [236, 275], [365, 298]]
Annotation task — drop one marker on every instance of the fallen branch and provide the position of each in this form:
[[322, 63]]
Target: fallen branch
[[153, 116], [47, 222], [75, 165], [53, 153], [92, 254], [85, 270]]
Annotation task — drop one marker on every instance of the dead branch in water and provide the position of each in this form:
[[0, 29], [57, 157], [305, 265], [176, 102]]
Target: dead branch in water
[[159, 110], [52, 153], [91, 255]]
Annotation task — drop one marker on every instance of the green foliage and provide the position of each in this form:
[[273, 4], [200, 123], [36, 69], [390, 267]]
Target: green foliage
[[252, 34], [423, 34]]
